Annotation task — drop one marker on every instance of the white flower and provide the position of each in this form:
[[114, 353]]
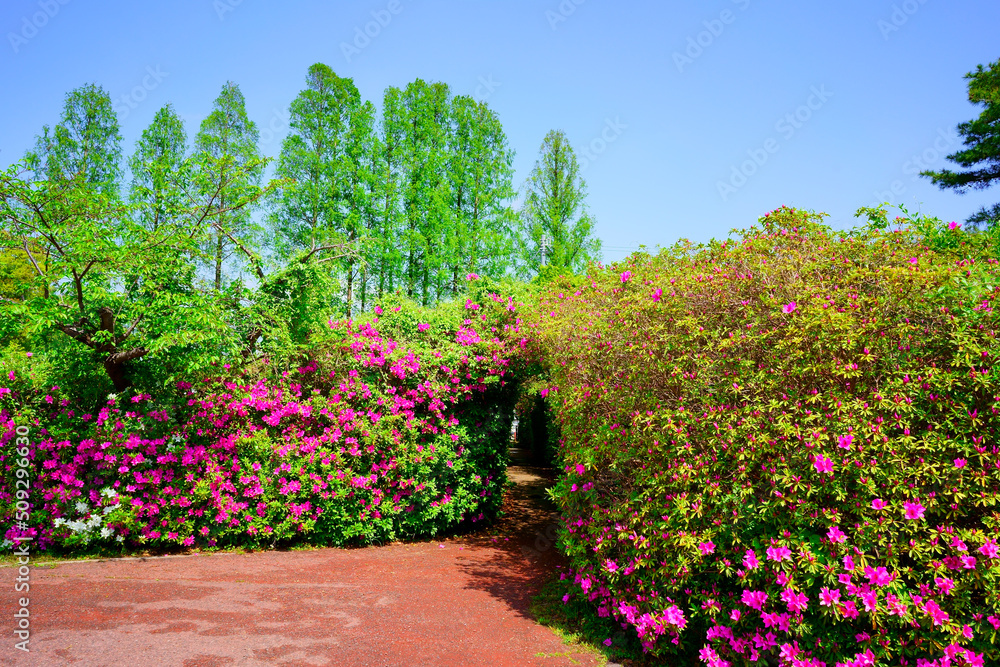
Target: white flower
[[60, 521], [6, 544], [107, 509], [112, 397], [81, 506], [119, 539], [109, 492], [105, 532]]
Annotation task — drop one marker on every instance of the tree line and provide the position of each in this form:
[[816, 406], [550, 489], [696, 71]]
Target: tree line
[[143, 256]]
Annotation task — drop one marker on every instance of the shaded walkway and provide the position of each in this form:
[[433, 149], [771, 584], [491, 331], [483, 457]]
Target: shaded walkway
[[461, 601]]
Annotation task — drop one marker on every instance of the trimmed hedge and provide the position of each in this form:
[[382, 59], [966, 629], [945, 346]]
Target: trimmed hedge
[[783, 446]]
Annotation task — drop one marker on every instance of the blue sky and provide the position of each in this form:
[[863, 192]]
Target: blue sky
[[694, 118]]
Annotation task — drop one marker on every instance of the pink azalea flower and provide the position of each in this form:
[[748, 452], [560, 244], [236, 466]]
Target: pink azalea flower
[[913, 511], [944, 584], [30, 354], [835, 534], [960, 463], [878, 504], [423, 327], [823, 464], [990, 549], [779, 554], [844, 442], [828, 598], [789, 307], [750, 560], [472, 276], [706, 548], [953, 225], [658, 294], [626, 276]]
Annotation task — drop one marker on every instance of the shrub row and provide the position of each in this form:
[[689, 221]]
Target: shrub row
[[396, 427], [784, 446]]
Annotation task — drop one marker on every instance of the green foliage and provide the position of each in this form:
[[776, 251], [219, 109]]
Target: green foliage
[[783, 412], [554, 218], [982, 141]]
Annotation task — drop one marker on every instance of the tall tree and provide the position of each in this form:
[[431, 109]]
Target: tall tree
[[327, 158], [384, 250], [982, 141], [160, 174], [480, 172], [557, 229], [229, 168], [85, 145], [426, 193]]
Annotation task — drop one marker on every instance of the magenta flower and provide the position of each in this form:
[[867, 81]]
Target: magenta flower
[[658, 294], [626, 276], [754, 599], [423, 327], [844, 442], [878, 504], [944, 584], [914, 260], [795, 601], [779, 554], [789, 307], [30, 354], [823, 464], [472, 276], [990, 549], [913, 511], [706, 547], [960, 463], [827, 597], [751, 562], [835, 534], [953, 225]]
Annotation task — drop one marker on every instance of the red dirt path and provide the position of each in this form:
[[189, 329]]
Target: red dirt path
[[457, 602]]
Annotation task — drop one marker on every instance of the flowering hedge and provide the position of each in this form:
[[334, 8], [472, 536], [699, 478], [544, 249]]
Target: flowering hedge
[[783, 446], [396, 427]]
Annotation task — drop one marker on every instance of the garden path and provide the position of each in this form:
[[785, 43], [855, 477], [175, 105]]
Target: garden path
[[462, 601]]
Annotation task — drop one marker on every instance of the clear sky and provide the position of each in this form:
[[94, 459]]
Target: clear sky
[[698, 116]]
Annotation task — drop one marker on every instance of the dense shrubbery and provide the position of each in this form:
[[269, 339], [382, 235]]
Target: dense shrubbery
[[388, 428], [784, 445]]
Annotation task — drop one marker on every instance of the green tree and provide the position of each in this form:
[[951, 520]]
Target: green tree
[[160, 174], [426, 191], [384, 251], [480, 171], [84, 145], [982, 141], [327, 160], [228, 170], [554, 215]]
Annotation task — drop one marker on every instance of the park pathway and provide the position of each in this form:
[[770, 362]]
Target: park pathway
[[462, 601]]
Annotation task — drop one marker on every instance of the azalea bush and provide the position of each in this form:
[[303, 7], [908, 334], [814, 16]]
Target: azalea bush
[[393, 427], [782, 447]]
